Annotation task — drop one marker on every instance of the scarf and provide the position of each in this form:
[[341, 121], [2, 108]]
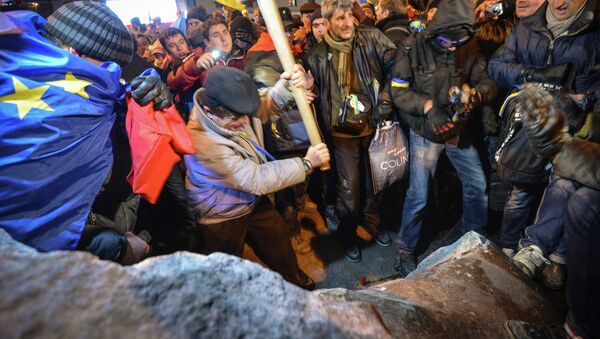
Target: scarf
[[344, 47], [559, 27]]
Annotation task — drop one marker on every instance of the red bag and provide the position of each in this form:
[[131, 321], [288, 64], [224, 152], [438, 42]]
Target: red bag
[[156, 138]]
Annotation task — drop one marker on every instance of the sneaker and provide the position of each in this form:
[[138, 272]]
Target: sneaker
[[522, 330], [352, 252], [302, 280], [405, 263], [331, 218], [554, 276], [530, 260], [509, 252]]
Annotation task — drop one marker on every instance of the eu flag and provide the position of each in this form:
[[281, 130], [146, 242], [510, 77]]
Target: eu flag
[[56, 113]]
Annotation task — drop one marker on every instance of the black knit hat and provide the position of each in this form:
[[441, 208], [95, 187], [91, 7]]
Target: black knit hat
[[231, 88], [241, 24], [93, 30], [316, 15], [198, 13]]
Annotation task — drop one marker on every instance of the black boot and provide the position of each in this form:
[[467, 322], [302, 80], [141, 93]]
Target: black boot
[[522, 330], [405, 263], [351, 250]]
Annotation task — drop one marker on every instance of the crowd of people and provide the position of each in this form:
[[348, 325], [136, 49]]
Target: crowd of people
[[507, 91]]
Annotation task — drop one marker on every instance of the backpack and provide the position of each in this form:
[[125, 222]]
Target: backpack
[[515, 160]]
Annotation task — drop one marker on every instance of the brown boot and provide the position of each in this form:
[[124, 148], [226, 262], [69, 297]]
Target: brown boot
[[136, 250]]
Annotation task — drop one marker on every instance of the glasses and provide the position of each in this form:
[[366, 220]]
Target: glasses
[[448, 43]]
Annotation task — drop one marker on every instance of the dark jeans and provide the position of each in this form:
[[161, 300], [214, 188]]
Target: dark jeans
[[175, 185], [263, 229], [582, 231], [424, 156], [353, 187], [101, 238], [519, 204], [547, 230]]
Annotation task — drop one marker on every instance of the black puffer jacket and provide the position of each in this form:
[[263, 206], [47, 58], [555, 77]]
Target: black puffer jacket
[[395, 27], [373, 56], [530, 44]]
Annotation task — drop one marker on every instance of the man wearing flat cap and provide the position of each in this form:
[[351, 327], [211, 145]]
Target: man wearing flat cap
[[231, 175]]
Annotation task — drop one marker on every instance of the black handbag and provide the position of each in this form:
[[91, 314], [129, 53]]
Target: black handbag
[[354, 116]]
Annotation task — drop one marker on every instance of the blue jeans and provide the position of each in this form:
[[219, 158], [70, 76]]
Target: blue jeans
[[582, 233], [547, 230], [517, 208], [424, 156]]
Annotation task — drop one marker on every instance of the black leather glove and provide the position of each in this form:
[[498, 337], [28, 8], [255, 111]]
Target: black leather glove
[[439, 121], [149, 88], [560, 76], [437, 118], [542, 121]]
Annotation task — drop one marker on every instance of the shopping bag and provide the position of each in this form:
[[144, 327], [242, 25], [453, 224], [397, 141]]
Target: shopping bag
[[388, 155]]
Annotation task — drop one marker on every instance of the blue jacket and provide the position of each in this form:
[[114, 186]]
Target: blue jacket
[[531, 44]]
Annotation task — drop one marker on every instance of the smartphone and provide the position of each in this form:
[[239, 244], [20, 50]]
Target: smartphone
[[494, 10]]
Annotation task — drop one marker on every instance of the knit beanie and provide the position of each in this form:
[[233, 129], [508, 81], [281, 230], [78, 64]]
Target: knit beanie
[[243, 25], [93, 30], [198, 13], [316, 15]]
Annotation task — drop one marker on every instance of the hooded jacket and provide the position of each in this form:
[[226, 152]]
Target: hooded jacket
[[227, 175], [424, 71], [284, 132], [395, 27]]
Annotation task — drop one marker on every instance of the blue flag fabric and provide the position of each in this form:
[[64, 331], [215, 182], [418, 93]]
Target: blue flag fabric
[[56, 114]]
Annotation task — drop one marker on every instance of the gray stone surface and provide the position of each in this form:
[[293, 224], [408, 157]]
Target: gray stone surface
[[465, 290], [75, 295]]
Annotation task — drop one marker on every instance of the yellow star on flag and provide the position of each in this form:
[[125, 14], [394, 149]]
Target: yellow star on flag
[[72, 85], [26, 98]]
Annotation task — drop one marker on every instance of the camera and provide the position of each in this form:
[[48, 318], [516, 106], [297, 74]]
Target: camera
[[494, 10]]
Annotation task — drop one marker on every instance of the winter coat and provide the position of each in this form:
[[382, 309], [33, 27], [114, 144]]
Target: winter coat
[[423, 73], [531, 44], [227, 175], [373, 57], [284, 132], [579, 160], [190, 76], [395, 27]]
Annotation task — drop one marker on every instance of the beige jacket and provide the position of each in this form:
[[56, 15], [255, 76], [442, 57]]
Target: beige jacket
[[226, 175]]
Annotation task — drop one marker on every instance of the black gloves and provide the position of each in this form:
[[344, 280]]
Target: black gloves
[[146, 88], [559, 77], [544, 123], [440, 123]]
